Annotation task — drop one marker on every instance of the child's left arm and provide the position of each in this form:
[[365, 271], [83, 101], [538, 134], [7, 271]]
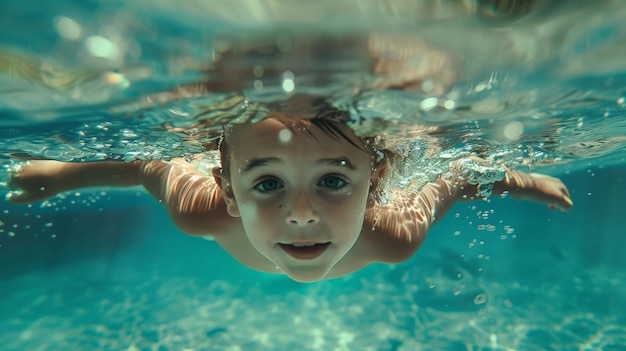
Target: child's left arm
[[398, 228]]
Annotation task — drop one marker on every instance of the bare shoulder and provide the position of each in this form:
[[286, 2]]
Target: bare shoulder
[[390, 233], [193, 198], [394, 231], [375, 245]]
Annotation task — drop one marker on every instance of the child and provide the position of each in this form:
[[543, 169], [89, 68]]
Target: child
[[292, 196]]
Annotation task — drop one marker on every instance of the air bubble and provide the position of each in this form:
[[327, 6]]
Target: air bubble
[[102, 47], [449, 104], [429, 103], [480, 299], [68, 28], [513, 130], [257, 84], [288, 84], [428, 86], [284, 136]]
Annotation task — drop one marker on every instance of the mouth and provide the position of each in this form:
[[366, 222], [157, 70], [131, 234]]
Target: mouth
[[305, 251]]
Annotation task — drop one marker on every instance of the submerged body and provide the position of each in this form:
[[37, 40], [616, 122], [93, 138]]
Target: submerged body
[[291, 197]]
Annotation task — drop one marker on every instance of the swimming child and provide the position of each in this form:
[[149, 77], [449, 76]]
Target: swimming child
[[294, 196]]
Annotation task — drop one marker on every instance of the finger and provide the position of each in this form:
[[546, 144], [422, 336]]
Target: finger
[[20, 197], [17, 196], [16, 169], [567, 204]]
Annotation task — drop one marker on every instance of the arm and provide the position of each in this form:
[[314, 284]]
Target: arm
[[42, 179], [192, 198], [399, 227]]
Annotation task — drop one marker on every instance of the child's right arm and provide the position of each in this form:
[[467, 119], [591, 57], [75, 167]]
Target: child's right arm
[[192, 198]]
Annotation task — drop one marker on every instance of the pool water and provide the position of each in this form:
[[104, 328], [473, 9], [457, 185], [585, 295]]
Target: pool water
[[118, 277], [532, 84]]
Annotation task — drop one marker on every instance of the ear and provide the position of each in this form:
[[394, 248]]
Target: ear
[[223, 183], [377, 174]]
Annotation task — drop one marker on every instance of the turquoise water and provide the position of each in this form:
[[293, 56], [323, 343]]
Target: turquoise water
[[539, 88], [125, 278]]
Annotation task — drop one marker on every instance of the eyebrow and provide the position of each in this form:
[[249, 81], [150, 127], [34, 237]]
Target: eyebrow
[[340, 162], [260, 162]]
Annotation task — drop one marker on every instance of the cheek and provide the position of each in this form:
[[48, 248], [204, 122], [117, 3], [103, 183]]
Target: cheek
[[258, 221], [347, 217], [249, 212]]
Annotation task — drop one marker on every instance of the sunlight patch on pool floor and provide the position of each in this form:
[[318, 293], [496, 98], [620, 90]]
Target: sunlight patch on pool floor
[[58, 312]]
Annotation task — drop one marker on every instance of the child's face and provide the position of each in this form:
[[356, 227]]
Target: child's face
[[301, 195]]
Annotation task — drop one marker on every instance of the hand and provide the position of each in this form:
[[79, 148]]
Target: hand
[[542, 188], [527, 186], [36, 180]]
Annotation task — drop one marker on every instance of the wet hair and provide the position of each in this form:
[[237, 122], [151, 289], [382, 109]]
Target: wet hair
[[328, 126]]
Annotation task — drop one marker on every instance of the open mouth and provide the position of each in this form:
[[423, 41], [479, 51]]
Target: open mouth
[[305, 251]]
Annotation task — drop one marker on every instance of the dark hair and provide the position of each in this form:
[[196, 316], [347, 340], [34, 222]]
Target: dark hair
[[328, 126]]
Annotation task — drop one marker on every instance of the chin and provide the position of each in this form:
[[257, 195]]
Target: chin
[[307, 276], [306, 279]]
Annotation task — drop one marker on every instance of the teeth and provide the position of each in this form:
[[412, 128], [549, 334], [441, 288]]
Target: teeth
[[303, 245]]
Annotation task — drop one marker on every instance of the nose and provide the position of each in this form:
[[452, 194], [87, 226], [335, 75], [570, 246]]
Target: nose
[[302, 213]]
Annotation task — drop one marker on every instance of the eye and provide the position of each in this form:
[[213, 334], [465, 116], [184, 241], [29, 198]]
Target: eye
[[332, 182], [268, 185]]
